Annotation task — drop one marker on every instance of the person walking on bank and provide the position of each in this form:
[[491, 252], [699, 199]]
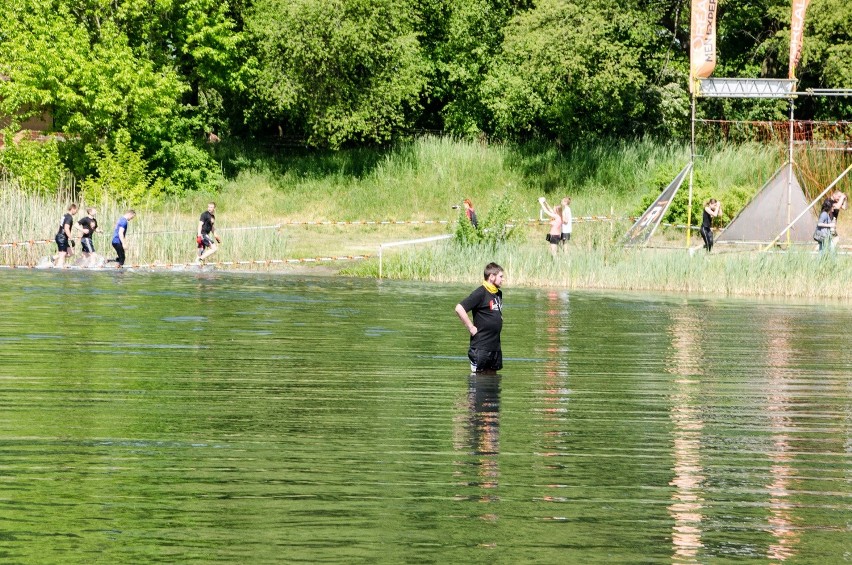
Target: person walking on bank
[[119, 235], [567, 222], [63, 237], [486, 305], [470, 213], [712, 208], [825, 225], [554, 236], [207, 239], [839, 202], [89, 225]]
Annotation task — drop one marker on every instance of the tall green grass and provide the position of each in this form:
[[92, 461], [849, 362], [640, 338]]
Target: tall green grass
[[166, 235], [421, 179], [605, 265]]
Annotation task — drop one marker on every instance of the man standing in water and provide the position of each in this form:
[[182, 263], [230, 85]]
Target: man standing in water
[[63, 236], [486, 305], [207, 239]]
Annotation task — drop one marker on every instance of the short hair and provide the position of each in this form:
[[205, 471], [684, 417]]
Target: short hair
[[89, 210], [72, 206], [211, 204], [131, 211], [492, 269]]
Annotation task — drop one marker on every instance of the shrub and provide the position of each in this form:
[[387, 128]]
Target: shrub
[[185, 167], [493, 229], [35, 166], [122, 174]]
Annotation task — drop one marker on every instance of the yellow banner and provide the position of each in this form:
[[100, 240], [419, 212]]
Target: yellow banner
[[797, 28], [702, 53]]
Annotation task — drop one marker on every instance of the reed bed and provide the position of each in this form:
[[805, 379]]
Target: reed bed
[[596, 261], [164, 235]]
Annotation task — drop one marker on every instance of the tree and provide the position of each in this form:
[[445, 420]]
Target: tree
[[569, 69], [343, 70]]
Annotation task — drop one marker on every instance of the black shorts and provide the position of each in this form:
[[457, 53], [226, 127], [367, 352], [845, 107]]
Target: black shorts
[[206, 241], [482, 360], [87, 245], [62, 242], [566, 237], [554, 239]]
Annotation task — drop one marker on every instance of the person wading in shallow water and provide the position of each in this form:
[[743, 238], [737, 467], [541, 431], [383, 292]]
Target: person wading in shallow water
[[207, 240], [486, 305], [119, 236], [89, 225], [63, 237]]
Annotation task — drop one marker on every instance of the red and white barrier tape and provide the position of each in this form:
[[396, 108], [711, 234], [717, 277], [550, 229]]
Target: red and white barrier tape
[[266, 262]]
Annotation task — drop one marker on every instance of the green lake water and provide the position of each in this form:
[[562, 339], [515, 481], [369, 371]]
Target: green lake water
[[234, 418]]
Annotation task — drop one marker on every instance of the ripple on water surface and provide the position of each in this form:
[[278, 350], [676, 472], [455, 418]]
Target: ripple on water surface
[[257, 418]]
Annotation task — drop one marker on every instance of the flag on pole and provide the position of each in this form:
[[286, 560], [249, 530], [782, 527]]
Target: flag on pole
[[797, 28], [702, 42]]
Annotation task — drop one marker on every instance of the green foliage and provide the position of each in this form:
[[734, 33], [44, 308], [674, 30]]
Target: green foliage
[[122, 174], [185, 167], [494, 228], [593, 86], [349, 70], [35, 166], [677, 212], [733, 199]]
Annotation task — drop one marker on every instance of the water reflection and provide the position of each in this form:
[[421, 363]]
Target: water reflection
[[477, 433], [782, 519], [685, 414], [555, 392]]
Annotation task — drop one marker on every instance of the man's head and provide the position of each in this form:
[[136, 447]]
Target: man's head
[[72, 209], [211, 207], [130, 214], [494, 274]]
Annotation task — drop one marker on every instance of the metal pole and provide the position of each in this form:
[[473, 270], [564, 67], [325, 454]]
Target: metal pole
[[691, 169], [807, 209], [790, 172]]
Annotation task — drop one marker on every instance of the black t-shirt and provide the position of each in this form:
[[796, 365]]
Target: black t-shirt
[[487, 312], [207, 220], [706, 221], [90, 224], [68, 220]]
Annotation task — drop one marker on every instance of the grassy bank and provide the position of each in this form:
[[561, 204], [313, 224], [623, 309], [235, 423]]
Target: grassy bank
[[266, 207], [797, 273]]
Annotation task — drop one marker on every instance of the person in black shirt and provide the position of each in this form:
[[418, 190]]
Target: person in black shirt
[[486, 305], [711, 210], [63, 236], [89, 225], [207, 239]]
